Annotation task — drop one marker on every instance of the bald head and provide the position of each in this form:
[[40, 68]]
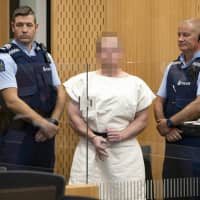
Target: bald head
[[194, 23], [188, 37]]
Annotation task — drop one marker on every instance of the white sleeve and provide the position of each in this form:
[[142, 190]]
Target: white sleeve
[[7, 72], [145, 97], [75, 87]]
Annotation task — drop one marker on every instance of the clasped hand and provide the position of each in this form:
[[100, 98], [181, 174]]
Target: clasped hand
[[171, 134], [47, 131]]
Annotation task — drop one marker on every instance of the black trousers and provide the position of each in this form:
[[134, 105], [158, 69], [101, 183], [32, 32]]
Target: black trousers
[[19, 150], [181, 170]]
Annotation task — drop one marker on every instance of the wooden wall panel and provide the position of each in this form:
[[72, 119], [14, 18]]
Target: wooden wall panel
[[148, 30], [130, 19], [4, 22]]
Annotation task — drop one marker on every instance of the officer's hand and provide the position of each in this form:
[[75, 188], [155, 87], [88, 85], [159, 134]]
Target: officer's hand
[[174, 135], [162, 127], [40, 136], [100, 144], [49, 129]]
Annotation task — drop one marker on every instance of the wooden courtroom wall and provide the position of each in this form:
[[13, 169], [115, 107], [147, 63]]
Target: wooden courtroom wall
[[4, 22], [148, 30]]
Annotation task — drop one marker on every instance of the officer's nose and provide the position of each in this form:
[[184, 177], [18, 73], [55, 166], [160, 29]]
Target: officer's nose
[[24, 28], [181, 38]]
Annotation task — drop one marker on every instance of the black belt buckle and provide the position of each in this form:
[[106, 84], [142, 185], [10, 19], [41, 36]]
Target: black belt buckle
[[104, 135]]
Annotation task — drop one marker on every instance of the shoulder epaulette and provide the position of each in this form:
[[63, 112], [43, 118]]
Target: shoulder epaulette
[[5, 48], [8, 48], [42, 47]]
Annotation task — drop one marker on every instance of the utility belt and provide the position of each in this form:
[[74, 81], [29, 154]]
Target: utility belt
[[105, 135], [192, 130], [5, 120], [8, 121]]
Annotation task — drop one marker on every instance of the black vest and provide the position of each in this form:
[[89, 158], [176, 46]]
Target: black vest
[[34, 78], [181, 86]]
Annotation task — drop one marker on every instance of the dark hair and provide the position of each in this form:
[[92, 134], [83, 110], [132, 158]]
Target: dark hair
[[23, 11], [105, 34]]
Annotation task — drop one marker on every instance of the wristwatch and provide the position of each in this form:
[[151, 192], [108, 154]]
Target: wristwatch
[[169, 123], [53, 121]]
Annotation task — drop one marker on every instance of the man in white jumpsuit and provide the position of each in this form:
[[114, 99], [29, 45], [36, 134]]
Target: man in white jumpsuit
[[119, 113]]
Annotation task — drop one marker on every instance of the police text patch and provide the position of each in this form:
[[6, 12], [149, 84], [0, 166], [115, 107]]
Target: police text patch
[[2, 66]]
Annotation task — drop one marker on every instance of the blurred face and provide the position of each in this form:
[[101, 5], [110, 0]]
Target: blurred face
[[109, 52], [24, 29], [187, 38]]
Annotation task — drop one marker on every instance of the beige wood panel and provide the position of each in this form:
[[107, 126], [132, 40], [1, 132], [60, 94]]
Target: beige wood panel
[[87, 190], [130, 19], [4, 22]]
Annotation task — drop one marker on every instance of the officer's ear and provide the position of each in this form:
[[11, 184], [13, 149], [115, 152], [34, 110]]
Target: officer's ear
[[12, 26], [199, 38]]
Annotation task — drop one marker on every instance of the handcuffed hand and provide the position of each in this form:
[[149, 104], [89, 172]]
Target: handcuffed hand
[[47, 130], [114, 136], [100, 144]]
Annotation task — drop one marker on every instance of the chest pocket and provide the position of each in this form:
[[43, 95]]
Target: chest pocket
[[29, 94], [46, 91]]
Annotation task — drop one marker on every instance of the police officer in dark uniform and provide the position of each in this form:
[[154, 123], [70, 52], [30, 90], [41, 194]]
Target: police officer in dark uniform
[[178, 101], [31, 98]]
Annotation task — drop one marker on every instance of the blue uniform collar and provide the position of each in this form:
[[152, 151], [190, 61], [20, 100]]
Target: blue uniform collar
[[24, 49], [182, 59]]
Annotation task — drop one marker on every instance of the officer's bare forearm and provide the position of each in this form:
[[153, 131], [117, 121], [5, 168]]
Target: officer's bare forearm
[[19, 107], [60, 103], [190, 112], [158, 108]]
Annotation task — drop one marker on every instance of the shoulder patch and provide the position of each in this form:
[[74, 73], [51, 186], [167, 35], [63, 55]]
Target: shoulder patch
[[7, 46], [13, 51], [2, 66]]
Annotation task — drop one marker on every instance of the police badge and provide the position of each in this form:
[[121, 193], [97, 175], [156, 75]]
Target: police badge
[[2, 66]]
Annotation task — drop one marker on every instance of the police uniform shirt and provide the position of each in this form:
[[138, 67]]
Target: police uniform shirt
[[163, 87], [8, 68]]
